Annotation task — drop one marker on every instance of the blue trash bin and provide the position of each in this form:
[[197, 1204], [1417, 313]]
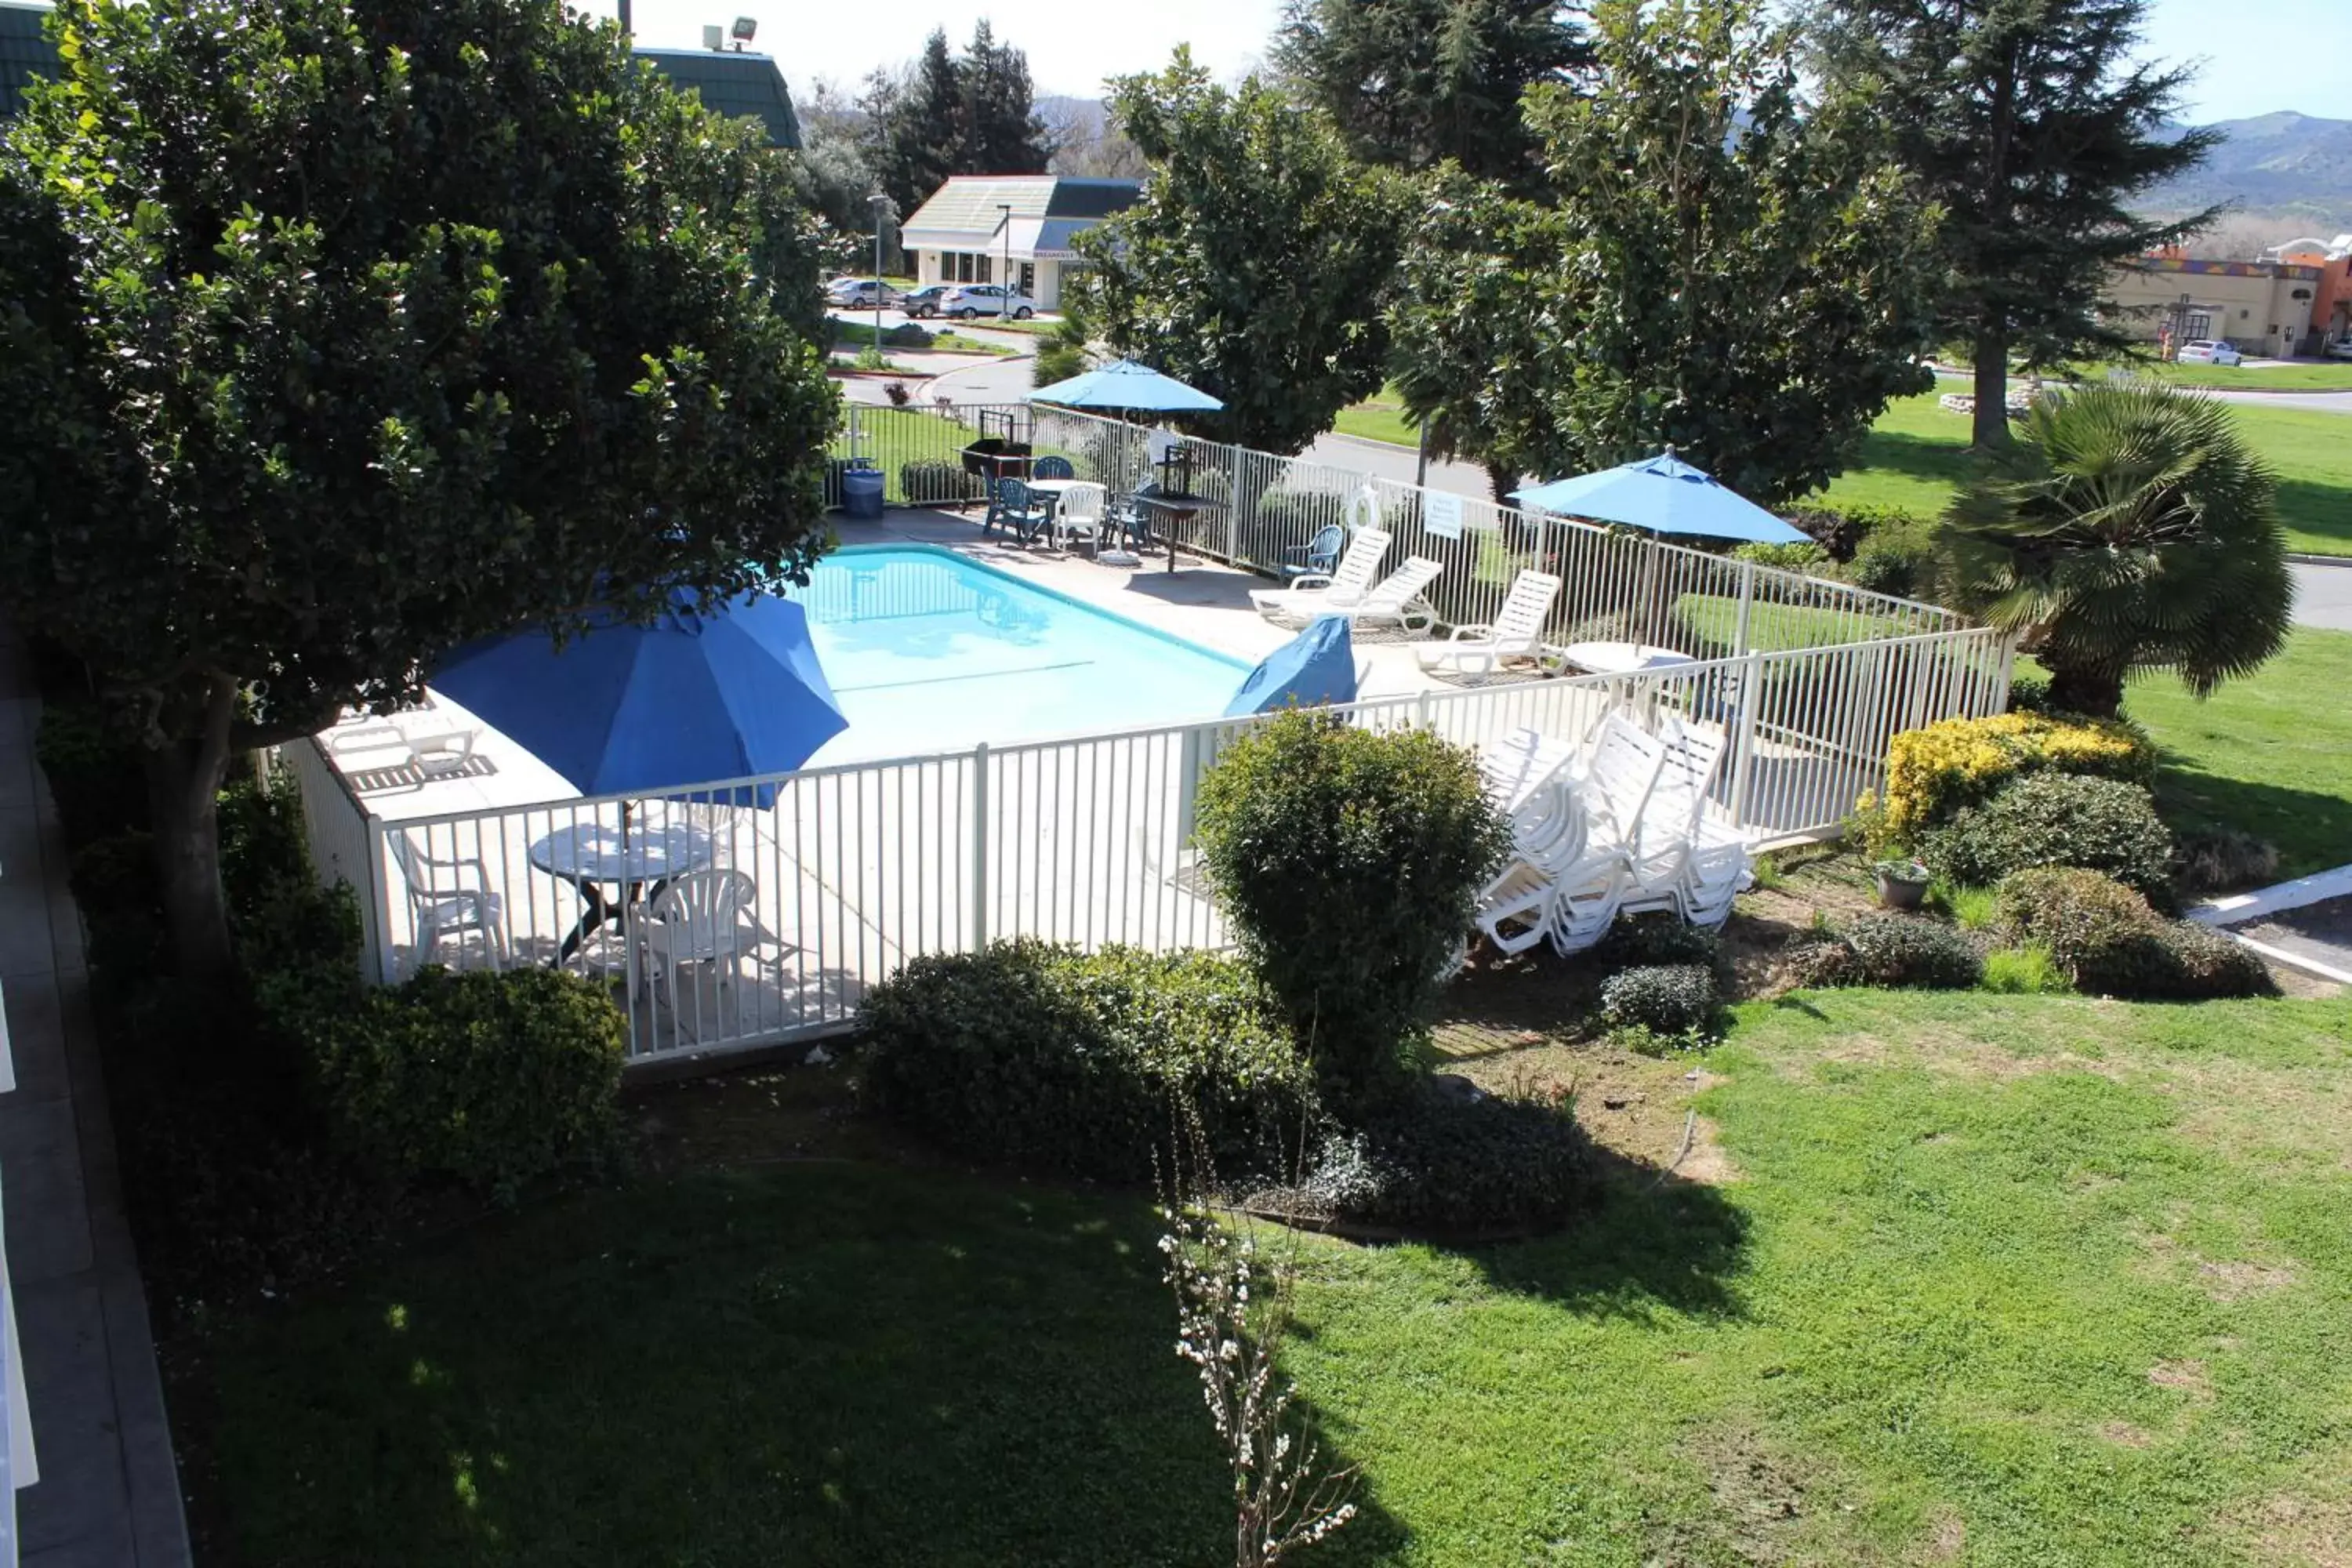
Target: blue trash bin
[[861, 492]]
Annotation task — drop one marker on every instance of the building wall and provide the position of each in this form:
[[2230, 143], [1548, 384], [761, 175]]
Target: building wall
[[2331, 297], [2251, 303]]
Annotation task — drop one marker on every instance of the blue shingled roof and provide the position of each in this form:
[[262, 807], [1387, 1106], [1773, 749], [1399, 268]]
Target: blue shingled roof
[[734, 85]]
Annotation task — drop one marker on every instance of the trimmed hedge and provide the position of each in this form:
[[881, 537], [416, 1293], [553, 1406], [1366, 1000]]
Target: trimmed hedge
[[1059, 1060], [1935, 771], [1894, 950], [488, 1079], [2057, 819], [1656, 937], [1668, 998], [1440, 1162], [2107, 940]]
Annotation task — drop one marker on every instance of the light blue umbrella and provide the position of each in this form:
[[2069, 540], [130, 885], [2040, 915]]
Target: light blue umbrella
[[629, 709], [1316, 666], [1664, 495], [1125, 386]]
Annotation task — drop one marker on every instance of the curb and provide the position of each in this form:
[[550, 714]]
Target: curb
[[2319, 560], [2317, 888]]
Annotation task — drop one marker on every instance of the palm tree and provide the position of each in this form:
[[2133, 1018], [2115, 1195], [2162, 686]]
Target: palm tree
[[2128, 528]]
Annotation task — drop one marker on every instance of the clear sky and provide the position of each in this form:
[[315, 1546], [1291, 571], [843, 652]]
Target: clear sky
[[2258, 55]]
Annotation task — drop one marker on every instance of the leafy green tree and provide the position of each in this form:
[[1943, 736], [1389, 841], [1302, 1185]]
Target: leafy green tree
[[2129, 528], [1468, 322], [2034, 127], [1412, 83], [391, 324], [1002, 133], [949, 114], [1255, 263], [1739, 273], [836, 178]]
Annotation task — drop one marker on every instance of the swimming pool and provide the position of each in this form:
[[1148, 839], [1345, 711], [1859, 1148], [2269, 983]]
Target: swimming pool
[[929, 651]]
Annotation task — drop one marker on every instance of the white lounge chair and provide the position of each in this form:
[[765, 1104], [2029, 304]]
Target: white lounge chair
[[1477, 652], [1394, 601], [1314, 593], [431, 750]]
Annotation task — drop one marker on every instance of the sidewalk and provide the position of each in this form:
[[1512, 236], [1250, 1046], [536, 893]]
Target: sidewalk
[[108, 1496]]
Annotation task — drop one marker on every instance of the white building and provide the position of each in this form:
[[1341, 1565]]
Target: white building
[[982, 229]]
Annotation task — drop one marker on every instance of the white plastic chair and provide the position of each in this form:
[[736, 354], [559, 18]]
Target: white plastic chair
[[1313, 593], [449, 906], [1079, 513], [696, 919], [1476, 652]]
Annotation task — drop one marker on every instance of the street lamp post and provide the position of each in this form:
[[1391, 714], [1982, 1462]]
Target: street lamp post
[[1004, 300], [880, 202]]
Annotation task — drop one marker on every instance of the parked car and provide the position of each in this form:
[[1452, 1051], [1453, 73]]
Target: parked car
[[926, 301], [970, 299], [2340, 349], [868, 292], [2209, 351]]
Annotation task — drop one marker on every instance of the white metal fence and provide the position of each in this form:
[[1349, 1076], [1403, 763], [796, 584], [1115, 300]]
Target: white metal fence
[[1263, 510], [848, 872]]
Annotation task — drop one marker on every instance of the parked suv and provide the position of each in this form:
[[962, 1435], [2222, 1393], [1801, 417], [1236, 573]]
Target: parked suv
[[970, 299]]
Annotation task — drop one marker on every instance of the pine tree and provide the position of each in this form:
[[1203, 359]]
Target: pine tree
[[1002, 133], [1414, 82], [2029, 122]]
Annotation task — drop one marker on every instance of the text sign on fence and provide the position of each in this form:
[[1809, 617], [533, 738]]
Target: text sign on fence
[[1440, 514]]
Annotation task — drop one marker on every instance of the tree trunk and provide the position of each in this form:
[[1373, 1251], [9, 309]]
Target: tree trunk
[[1990, 428], [2089, 691], [184, 782]]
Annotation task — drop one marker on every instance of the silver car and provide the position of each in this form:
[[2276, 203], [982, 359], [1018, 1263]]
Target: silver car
[[969, 300]]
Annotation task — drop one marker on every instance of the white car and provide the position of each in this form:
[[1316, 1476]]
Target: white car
[[2340, 349], [2207, 351], [967, 300], [855, 291]]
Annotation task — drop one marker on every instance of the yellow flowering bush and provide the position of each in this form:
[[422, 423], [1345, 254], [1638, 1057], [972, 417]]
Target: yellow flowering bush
[[1933, 772]]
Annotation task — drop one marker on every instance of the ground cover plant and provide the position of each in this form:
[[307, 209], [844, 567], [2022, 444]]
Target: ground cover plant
[[1983, 1278]]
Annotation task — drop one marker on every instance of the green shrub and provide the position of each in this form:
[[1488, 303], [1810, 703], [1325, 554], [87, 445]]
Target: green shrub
[[1896, 556], [2030, 693], [1896, 950], [1843, 530], [2107, 940], [1819, 964], [98, 778], [486, 1079], [1656, 937], [1431, 1160], [1808, 559], [2027, 971], [934, 483], [1971, 909], [1669, 998], [1078, 1063], [1350, 863], [113, 880], [1934, 771], [2057, 819]]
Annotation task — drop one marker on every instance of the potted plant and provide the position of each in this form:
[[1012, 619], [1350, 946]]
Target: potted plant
[[1902, 884]]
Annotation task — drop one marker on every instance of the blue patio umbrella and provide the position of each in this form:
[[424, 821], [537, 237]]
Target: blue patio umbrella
[[1316, 666], [1664, 495], [1125, 386], [630, 709]]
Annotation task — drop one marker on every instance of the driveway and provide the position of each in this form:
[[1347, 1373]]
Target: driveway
[[2323, 596]]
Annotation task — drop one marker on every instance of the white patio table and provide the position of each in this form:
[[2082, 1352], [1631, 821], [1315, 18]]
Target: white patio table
[[593, 855]]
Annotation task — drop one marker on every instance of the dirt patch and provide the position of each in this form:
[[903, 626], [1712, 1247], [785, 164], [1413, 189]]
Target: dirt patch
[[2124, 1435], [1760, 1505], [1946, 1539], [2299, 1531], [2238, 1281], [2188, 1376]]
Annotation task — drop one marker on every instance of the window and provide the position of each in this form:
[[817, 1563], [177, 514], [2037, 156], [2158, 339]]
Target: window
[[1029, 279], [985, 269], [963, 267]]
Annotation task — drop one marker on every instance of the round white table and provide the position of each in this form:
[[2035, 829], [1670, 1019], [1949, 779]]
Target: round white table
[[592, 854], [1618, 658]]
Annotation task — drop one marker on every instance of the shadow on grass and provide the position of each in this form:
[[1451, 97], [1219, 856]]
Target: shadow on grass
[[2312, 831], [2322, 509], [1920, 456], [820, 1364]]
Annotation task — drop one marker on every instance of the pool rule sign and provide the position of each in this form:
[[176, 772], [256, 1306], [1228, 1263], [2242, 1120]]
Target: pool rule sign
[[1440, 514]]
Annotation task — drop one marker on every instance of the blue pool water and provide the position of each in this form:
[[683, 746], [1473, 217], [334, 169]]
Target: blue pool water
[[927, 652]]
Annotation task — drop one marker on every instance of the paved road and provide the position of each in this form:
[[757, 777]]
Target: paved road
[[2323, 596], [2319, 401]]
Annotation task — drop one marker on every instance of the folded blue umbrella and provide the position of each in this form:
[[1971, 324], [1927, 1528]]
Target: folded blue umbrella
[[1664, 495], [1316, 666], [627, 709], [1125, 386]]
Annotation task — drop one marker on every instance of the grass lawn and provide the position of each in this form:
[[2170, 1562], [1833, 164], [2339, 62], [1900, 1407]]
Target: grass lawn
[[1918, 456], [1380, 418], [2334, 376], [2000, 1280], [2271, 756]]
